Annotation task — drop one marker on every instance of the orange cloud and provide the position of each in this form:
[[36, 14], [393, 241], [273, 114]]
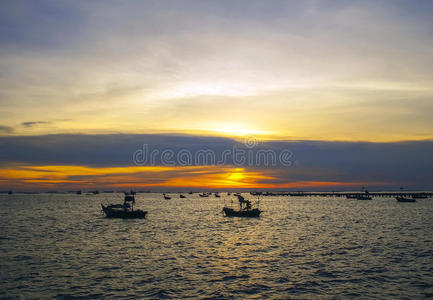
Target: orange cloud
[[211, 177]]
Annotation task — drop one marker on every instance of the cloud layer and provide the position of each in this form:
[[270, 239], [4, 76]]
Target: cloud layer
[[380, 165], [332, 70]]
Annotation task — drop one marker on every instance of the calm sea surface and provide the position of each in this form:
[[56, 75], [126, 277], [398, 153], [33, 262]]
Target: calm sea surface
[[61, 246]]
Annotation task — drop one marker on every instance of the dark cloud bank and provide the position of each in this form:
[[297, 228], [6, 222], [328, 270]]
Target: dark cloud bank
[[391, 164]]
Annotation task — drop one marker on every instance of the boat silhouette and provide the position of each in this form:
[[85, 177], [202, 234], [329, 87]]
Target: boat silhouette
[[125, 210], [405, 199], [245, 209]]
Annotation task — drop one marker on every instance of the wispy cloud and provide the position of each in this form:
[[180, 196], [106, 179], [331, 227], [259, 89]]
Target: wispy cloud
[[280, 66], [33, 123], [6, 129]]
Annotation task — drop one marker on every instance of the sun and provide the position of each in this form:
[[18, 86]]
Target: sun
[[237, 176], [234, 130]]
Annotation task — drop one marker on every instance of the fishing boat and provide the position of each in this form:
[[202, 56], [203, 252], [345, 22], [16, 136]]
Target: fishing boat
[[404, 199], [255, 193], [363, 197], [125, 210], [419, 196], [245, 209], [166, 197]]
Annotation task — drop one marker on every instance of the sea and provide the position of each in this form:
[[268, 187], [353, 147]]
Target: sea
[[60, 246]]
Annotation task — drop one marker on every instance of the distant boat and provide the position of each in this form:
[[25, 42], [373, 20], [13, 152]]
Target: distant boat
[[204, 195], [125, 210], [190, 193], [404, 199], [166, 197], [419, 196], [181, 196], [245, 209], [255, 193], [363, 197]]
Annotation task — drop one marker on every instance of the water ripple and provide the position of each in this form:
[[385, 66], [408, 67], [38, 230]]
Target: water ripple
[[60, 246]]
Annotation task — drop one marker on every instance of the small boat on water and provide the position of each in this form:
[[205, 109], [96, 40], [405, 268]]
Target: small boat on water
[[419, 196], [181, 196], [245, 209], [404, 199], [125, 210], [363, 197], [252, 213], [255, 193], [166, 197]]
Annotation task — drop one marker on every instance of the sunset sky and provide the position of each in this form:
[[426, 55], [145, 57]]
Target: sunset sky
[[336, 75]]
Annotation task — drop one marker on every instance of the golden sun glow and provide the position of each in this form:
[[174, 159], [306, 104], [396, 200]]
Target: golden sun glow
[[210, 177], [234, 129]]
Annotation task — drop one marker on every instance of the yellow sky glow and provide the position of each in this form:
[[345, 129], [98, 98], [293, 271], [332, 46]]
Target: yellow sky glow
[[214, 177]]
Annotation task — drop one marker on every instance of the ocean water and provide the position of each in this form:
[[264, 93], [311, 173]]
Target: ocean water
[[61, 246]]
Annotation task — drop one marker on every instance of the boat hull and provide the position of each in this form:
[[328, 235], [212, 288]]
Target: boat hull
[[122, 214], [402, 199], [364, 198], [252, 213]]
